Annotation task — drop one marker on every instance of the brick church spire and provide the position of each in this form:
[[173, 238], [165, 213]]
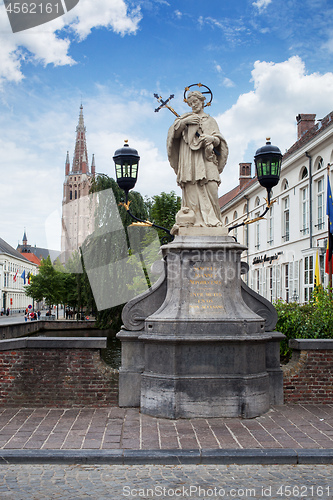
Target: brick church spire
[[80, 160], [77, 215], [67, 165], [93, 166]]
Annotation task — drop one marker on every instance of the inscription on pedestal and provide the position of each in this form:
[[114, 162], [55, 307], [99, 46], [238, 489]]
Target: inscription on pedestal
[[205, 297]]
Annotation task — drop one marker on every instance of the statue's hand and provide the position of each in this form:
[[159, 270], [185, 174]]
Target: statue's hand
[[191, 119], [211, 140]]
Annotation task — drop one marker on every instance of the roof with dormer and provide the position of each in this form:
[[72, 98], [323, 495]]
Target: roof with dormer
[[6, 249]]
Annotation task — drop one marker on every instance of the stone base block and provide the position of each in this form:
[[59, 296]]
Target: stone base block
[[190, 397], [129, 389]]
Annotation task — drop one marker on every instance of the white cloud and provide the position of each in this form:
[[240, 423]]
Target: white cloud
[[110, 14], [280, 92], [46, 45], [328, 45], [228, 83], [33, 146], [261, 4]]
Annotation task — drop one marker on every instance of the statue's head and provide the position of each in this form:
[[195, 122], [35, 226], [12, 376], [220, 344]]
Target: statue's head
[[197, 94]]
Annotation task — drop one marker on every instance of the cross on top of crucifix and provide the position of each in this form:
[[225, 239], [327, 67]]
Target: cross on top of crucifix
[[164, 103]]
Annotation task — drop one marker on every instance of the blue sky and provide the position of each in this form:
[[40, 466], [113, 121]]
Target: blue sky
[[265, 61]]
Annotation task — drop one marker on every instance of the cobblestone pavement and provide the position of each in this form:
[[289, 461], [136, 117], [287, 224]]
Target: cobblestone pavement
[[99, 482], [287, 426]]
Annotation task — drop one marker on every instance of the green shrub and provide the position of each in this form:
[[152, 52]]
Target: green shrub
[[308, 321]]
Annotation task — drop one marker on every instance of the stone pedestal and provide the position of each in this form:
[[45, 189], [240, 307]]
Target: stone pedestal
[[204, 347], [206, 351]]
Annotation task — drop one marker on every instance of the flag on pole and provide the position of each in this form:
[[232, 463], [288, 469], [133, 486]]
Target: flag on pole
[[23, 276], [329, 251], [15, 276], [329, 205], [329, 212], [29, 278], [317, 282]]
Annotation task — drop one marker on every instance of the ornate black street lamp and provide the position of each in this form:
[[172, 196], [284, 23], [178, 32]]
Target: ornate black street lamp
[[126, 161], [267, 160], [268, 166]]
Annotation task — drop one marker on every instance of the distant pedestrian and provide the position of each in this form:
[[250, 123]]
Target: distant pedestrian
[[8, 311], [38, 314]]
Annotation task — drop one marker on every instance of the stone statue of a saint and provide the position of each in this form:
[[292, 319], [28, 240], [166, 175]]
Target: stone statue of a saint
[[197, 152]]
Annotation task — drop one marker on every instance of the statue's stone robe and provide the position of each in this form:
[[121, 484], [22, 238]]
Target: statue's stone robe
[[198, 168]]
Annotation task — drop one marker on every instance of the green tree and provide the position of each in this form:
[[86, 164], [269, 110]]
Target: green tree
[[112, 245], [76, 291], [163, 209], [138, 205], [47, 285]]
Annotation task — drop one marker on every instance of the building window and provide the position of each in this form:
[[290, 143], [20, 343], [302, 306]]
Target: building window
[[285, 204], [286, 282], [308, 277], [226, 221], [305, 210], [70, 195], [320, 204], [271, 283], [75, 194], [270, 227], [257, 279], [236, 228], [320, 164], [246, 235], [257, 232], [304, 173]]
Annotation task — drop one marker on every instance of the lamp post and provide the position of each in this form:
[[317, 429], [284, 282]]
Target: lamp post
[[126, 161], [267, 160]]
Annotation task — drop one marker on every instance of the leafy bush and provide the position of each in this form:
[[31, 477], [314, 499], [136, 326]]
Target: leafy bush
[[308, 321]]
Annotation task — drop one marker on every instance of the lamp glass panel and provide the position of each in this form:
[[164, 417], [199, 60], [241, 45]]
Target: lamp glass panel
[[134, 172], [264, 168], [118, 171], [126, 169]]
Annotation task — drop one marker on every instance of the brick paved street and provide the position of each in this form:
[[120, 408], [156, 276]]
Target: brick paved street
[[108, 482], [114, 453], [287, 426]]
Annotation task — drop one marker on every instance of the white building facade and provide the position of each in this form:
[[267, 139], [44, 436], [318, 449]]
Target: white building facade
[[12, 266], [282, 248]]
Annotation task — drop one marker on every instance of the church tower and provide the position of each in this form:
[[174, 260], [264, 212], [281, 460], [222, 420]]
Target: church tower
[[77, 213]]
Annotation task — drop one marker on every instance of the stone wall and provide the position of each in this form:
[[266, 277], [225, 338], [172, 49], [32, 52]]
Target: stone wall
[[308, 377], [56, 372], [14, 330]]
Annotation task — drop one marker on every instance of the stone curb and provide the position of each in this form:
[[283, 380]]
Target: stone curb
[[168, 457]]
